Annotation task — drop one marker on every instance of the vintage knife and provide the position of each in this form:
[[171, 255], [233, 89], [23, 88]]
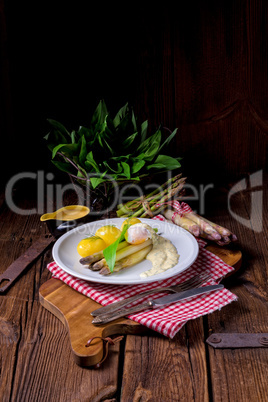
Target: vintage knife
[[150, 304]]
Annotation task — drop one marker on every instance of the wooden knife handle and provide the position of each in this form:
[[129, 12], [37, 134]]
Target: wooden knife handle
[[105, 318], [21, 263]]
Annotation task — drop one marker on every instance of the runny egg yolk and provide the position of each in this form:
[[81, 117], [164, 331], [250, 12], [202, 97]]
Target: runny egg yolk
[[137, 234], [130, 221]]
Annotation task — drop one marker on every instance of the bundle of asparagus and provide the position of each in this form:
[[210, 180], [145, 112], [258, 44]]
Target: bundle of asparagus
[[155, 203], [201, 227], [126, 256], [150, 205]]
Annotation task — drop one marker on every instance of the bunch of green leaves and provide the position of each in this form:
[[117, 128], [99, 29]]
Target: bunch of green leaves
[[110, 147]]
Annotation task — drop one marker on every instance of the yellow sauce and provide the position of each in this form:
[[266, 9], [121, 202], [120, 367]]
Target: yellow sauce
[[68, 213], [162, 256]]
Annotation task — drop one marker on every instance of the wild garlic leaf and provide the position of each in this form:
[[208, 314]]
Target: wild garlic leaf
[[133, 120], [120, 115], [129, 140], [144, 129], [86, 132], [91, 161], [55, 137], [152, 149], [63, 166], [108, 147], [96, 181], [166, 162], [137, 165], [83, 151], [96, 178], [152, 141], [110, 251], [126, 169], [118, 169], [73, 137], [99, 114], [60, 127], [68, 149], [156, 166], [169, 138]]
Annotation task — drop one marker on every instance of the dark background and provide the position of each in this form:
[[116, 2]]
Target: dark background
[[201, 67]]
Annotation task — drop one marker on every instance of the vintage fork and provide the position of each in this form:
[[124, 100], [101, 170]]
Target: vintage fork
[[191, 283]]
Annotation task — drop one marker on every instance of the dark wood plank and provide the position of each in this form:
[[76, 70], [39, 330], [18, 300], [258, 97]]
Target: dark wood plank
[[241, 373], [204, 71], [36, 361], [164, 369], [35, 355]]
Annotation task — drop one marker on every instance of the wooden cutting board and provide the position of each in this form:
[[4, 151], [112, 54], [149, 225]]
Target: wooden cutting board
[[73, 309]]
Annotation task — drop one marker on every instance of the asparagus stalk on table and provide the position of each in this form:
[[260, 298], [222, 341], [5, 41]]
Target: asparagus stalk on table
[[201, 227], [226, 236], [182, 221], [225, 233]]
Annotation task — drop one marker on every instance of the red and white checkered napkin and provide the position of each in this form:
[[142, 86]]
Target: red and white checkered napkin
[[170, 319]]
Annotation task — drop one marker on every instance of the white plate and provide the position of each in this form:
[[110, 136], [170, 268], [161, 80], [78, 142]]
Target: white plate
[[66, 256]]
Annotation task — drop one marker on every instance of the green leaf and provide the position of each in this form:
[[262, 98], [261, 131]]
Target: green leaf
[[99, 114], [152, 150], [59, 126], [110, 251], [97, 178], [164, 161], [90, 161], [68, 149], [108, 147], [169, 138], [118, 170], [95, 181], [87, 132], [81, 172], [133, 120], [63, 166], [129, 140], [151, 144], [120, 158], [144, 129], [126, 169], [120, 115], [83, 151], [137, 165], [156, 166], [55, 137], [73, 137]]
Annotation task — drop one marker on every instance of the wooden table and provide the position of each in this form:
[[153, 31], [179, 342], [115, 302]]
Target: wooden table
[[36, 363]]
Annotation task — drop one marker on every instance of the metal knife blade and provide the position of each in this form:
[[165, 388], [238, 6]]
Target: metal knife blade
[[161, 301], [187, 294]]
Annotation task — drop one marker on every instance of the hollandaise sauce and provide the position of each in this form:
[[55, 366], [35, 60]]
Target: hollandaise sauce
[[163, 255]]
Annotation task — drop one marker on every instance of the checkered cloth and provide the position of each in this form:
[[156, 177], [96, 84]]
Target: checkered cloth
[[165, 320]]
